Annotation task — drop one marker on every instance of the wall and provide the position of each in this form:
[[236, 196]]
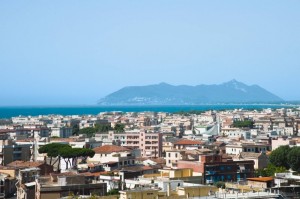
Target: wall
[[196, 166]]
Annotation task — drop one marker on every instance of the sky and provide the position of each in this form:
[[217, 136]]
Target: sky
[[71, 52]]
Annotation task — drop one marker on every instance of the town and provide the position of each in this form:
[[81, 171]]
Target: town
[[158, 155]]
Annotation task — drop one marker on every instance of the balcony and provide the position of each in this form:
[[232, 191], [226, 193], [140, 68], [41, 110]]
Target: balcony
[[211, 172], [243, 171]]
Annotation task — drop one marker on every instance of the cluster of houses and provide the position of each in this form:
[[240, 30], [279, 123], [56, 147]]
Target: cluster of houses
[[157, 155]]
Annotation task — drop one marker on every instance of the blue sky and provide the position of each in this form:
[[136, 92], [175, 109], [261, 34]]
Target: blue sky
[[75, 52]]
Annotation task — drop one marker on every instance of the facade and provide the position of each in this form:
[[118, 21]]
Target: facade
[[173, 156], [239, 135], [9, 152], [150, 143], [247, 147], [228, 171], [112, 157], [261, 160], [261, 182], [62, 132], [7, 186], [188, 144]]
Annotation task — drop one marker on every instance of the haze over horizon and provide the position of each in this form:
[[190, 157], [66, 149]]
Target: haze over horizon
[[75, 52]]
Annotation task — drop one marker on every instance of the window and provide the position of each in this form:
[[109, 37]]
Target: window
[[169, 155], [176, 155]]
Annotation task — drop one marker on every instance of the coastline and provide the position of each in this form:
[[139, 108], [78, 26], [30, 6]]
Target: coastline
[[13, 111]]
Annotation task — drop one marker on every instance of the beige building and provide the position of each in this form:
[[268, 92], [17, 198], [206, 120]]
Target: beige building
[[261, 160], [9, 152], [262, 182], [178, 193]]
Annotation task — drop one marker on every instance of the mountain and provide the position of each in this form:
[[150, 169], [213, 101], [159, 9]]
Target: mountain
[[166, 94]]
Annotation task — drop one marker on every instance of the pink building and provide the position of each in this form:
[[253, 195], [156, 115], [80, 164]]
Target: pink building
[[150, 143]]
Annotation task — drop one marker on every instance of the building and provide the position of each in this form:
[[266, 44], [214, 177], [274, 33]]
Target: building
[[261, 160], [227, 171], [236, 149], [7, 186], [45, 169], [188, 144], [261, 182], [112, 157], [62, 185], [62, 132], [150, 143], [10, 151]]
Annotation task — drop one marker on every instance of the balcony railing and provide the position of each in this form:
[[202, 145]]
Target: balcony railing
[[211, 172]]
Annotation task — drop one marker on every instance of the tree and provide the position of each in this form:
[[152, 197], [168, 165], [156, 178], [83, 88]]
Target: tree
[[113, 192], [279, 156], [53, 150], [270, 170], [293, 158], [220, 184], [102, 128], [88, 131], [243, 124], [75, 129], [66, 152], [119, 127]]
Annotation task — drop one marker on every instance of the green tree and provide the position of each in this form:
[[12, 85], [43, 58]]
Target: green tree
[[66, 152], [75, 129], [220, 184], [293, 158], [113, 192], [102, 128], [279, 156], [119, 127], [270, 170], [243, 124], [88, 131], [53, 151]]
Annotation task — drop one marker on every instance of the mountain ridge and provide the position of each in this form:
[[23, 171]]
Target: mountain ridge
[[166, 94]]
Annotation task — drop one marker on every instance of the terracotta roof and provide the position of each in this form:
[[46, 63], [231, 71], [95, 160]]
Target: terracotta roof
[[106, 149], [159, 160], [26, 140], [22, 164], [137, 168], [65, 174], [62, 139], [218, 143], [261, 179], [189, 142]]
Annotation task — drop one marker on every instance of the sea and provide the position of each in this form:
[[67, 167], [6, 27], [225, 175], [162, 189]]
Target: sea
[[10, 111]]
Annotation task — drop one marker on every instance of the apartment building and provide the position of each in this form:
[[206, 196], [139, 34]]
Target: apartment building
[[112, 157], [62, 132], [236, 149], [150, 143]]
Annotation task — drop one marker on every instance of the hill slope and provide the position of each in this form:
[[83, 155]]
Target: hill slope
[[166, 94]]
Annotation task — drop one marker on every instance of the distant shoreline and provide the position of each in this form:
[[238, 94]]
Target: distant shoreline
[[13, 111], [154, 105]]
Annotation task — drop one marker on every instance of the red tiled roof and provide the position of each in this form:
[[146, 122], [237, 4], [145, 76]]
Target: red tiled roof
[[106, 149], [23, 164], [62, 139], [188, 142]]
